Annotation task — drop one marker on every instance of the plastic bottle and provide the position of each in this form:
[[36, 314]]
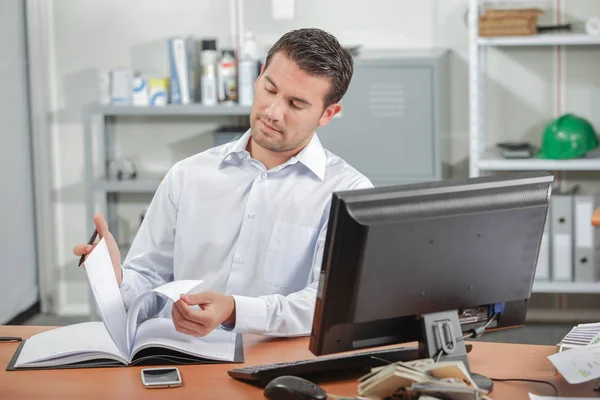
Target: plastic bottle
[[208, 78], [249, 67], [227, 78]]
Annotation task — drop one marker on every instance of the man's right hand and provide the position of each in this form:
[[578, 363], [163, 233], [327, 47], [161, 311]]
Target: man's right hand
[[111, 244]]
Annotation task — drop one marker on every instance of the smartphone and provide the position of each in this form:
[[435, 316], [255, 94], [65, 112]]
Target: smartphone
[[154, 378]]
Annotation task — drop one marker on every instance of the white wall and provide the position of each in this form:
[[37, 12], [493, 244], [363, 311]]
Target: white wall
[[18, 283], [102, 34]]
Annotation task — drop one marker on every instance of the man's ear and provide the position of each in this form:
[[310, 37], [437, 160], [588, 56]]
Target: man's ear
[[262, 69], [329, 113]]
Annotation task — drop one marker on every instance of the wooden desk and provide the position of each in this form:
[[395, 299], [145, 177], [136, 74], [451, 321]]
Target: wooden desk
[[212, 382]]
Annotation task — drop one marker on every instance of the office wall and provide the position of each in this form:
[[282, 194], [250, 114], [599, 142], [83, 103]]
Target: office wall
[[18, 283], [88, 36]]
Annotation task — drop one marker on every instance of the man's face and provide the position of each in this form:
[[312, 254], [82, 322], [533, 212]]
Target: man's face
[[288, 106]]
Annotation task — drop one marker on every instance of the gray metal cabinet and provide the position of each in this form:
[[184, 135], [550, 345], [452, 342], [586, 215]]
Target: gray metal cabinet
[[394, 118]]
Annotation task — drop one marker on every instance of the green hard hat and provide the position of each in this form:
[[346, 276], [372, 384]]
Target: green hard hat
[[568, 136]]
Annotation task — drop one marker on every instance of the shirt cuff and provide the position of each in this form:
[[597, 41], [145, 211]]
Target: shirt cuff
[[250, 315]]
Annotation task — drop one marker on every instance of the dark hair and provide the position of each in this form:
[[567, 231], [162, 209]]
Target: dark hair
[[320, 54]]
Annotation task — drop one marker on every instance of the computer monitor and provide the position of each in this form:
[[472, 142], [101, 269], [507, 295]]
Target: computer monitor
[[396, 257]]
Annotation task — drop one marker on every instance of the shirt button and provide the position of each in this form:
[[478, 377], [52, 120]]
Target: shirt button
[[264, 175], [241, 260], [251, 215]]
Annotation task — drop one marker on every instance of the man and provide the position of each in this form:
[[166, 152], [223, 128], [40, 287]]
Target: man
[[249, 218]]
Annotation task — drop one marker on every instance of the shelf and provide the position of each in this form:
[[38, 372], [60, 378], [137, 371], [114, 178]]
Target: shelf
[[546, 39], [571, 316], [566, 287], [128, 186], [169, 110], [493, 161]]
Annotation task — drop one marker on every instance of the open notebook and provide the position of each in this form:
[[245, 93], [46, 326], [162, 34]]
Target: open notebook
[[120, 339]]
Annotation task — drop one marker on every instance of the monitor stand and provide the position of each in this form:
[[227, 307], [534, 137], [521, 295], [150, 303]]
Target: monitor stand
[[439, 334]]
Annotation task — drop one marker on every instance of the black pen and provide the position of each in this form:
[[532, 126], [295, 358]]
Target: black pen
[[10, 339], [92, 240]]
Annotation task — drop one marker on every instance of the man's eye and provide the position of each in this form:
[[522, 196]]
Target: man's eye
[[269, 90], [296, 106]]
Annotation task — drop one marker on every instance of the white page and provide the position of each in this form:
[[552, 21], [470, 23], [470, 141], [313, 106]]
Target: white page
[[536, 397], [105, 288], [68, 341], [172, 290], [578, 365], [160, 332]]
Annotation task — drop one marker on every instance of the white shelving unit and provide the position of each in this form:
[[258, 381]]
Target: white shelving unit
[[170, 110], [109, 189], [482, 159], [546, 39], [493, 161], [566, 287]]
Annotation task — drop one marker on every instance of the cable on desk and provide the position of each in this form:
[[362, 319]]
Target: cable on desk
[[527, 380], [473, 333]]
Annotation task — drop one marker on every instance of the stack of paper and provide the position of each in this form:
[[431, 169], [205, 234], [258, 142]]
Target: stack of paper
[[580, 335], [447, 380]]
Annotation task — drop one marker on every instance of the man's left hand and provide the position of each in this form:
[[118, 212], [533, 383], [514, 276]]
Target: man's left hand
[[215, 309]]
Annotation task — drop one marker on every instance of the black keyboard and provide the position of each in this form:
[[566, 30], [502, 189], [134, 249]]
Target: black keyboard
[[326, 366]]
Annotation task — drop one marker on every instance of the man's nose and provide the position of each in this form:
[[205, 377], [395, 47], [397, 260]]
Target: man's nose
[[275, 110]]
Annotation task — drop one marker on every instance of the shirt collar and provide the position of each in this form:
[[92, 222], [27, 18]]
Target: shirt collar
[[312, 155], [237, 147]]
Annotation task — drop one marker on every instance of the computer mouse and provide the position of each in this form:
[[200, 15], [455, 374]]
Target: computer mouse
[[293, 388]]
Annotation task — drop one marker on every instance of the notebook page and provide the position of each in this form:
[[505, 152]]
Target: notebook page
[[73, 340], [160, 332], [172, 290], [105, 289]]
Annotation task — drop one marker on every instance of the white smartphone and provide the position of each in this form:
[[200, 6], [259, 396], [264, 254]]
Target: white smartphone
[[154, 378]]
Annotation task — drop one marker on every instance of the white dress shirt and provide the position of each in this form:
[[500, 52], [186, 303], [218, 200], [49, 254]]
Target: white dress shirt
[[256, 234]]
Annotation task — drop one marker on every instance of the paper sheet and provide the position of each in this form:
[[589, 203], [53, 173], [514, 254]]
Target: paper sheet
[[536, 397], [578, 365], [105, 288], [172, 290]]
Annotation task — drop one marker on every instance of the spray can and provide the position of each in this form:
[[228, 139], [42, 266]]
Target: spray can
[[227, 78], [249, 66], [208, 79]]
